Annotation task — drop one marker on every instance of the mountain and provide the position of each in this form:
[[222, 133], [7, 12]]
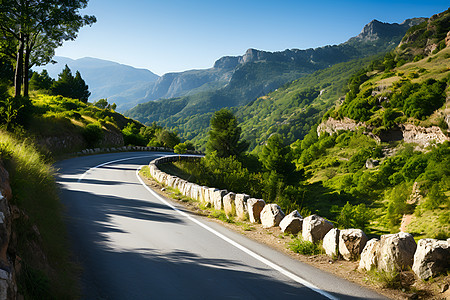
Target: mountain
[[106, 79], [245, 78]]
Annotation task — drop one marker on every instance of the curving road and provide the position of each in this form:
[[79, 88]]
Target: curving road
[[132, 244]]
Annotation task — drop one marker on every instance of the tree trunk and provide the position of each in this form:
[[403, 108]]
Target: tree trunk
[[26, 67], [19, 68]]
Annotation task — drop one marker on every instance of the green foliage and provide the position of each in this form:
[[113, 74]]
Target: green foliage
[[167, 138], [101, 103], [303, 247], [396, 205], [353, 216], [41, 81], [93, 134], [224, 135], [181, 148], [275, 156], [131, 135], [71, 87], [35, 193]]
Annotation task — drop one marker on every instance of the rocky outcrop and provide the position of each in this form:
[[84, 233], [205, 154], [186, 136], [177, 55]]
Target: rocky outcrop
[[228, 204], [8, 286], [292, 223], [314, 228], [369, 255], [423, 136], [332, 125], [432, 258], [396, 251], [240, 204], [331, 242], [254, 208], [271, 215], [351, 243]]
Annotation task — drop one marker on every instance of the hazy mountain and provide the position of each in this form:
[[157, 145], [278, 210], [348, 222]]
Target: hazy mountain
[[106, 79]]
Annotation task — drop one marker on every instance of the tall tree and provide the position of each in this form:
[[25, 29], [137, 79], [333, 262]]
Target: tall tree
[[38, 28], [69, 86], [80, 88], [275, 156], [225, 135]]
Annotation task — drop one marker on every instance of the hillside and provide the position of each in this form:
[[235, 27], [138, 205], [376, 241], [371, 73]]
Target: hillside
[[387, 144], [106, 79], [259, 72]]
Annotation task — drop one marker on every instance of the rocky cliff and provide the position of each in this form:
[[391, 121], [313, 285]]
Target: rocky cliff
[[410, 133]]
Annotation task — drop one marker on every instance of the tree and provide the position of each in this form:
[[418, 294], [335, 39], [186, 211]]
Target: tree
[[37, 28], [63, 86], [275, 156], [41, 81], [80, 88], [71, 87], [102, 103], [225, 134]]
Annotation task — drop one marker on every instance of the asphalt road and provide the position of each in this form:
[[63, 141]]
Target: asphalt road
[[133, 244]]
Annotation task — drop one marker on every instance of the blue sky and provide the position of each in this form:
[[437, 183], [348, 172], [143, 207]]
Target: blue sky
[[176, 35]]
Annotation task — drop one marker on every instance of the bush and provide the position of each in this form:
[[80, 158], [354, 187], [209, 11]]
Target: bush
[[304, 247], [93, 134]]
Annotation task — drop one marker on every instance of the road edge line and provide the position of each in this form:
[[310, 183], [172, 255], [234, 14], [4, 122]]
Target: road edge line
[[239, 246]]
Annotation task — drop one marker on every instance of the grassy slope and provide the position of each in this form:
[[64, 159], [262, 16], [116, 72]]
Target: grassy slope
[[47, 271]]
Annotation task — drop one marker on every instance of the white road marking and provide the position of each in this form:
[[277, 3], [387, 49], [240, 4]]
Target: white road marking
[[218, 234], [239, 246]]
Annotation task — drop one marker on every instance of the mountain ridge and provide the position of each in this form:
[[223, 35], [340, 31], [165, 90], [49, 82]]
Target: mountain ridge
[[262, 72]]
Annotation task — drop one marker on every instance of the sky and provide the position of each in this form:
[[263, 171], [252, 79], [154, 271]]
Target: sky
[[177, 35]]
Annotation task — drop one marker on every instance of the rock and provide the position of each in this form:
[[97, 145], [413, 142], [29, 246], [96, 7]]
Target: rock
[[210, 196], [372, 163], [351, 243], [314, 228], [271, 215], [202, 196], [431, 258], [331, 242], [292, 223], [228, 204], [369, 255], [255, 206], [396, 251], [240, 204], [218, 198]]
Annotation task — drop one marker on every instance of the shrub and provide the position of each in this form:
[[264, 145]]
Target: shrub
[[301, 246], [92, 134]]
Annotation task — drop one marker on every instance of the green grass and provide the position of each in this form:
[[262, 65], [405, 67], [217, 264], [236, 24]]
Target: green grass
[[298, 245], [35, 193]]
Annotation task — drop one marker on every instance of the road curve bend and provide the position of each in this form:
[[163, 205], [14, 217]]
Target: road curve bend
[[133, 244]]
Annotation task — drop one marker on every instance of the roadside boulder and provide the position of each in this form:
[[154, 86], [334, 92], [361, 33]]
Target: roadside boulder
[[210, 197], [432, 257], [218, 198], [240, 204], [369, 255], [292, 223], [254, 207], [228, 204], [351, 243], [314, 228], [396, 251], [331, 242], [271, 215]]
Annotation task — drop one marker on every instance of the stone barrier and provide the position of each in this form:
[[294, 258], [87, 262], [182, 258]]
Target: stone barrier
[[392, 252]]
